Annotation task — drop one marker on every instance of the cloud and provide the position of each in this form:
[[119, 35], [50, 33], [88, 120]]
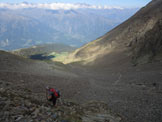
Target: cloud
[[54, 6]]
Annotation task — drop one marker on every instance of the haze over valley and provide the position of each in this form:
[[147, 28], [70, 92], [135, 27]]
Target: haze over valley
[[22, 27]]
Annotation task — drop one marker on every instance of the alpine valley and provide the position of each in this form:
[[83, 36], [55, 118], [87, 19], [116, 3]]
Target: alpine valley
[[24, 27]]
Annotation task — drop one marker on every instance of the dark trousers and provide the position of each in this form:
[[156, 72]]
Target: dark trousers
[[53, 99]]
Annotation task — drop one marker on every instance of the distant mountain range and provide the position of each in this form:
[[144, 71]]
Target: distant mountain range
[[25, 27]]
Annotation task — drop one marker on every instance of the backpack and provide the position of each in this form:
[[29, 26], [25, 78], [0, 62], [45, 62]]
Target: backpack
[[56, 93]]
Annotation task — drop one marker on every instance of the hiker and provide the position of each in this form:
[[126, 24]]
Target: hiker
[[52, 95]]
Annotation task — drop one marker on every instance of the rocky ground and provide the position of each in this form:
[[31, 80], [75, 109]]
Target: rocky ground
[[22, 105], [23, 99], [129, 93]]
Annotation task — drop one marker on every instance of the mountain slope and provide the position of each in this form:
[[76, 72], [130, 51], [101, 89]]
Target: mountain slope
[[22, 94], [135, 94], [120, 43]]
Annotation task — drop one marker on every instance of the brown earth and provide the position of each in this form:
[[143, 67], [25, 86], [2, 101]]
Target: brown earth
[[132, 93]]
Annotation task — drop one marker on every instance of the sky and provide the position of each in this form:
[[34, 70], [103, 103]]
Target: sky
[[120, 3]]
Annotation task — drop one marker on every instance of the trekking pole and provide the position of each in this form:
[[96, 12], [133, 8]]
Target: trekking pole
[[46, 93], [61, 101]]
